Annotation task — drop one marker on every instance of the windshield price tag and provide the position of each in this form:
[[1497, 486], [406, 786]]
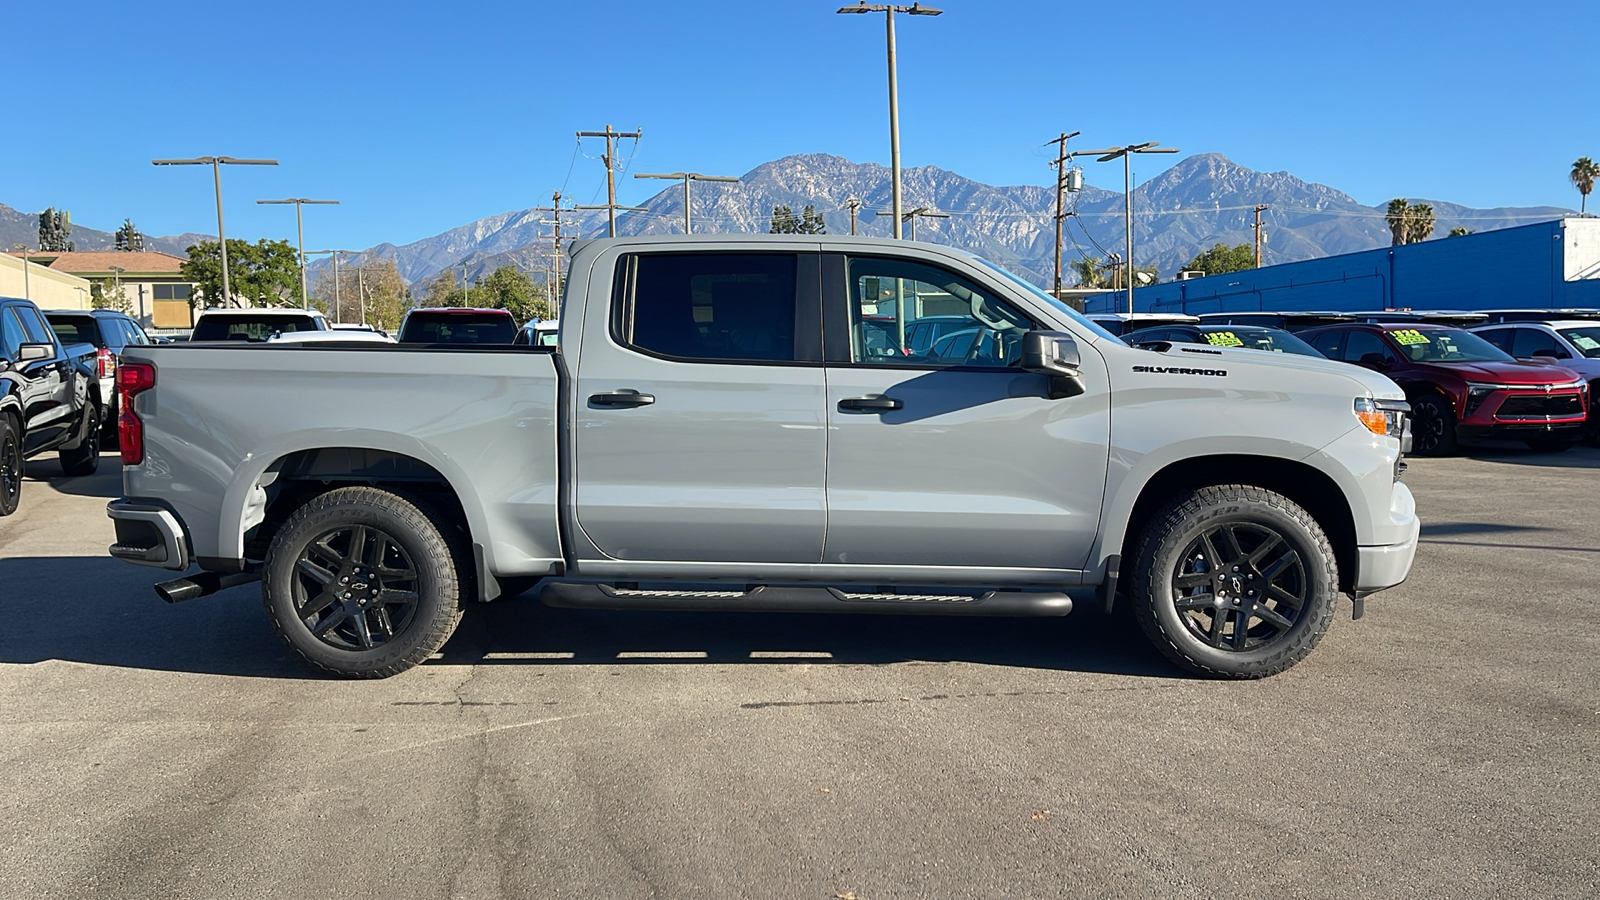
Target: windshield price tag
[[1585, 343], [1223, 339], [1407, 336]]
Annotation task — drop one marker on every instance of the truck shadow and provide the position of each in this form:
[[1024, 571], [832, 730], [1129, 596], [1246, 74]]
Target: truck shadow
[[99, 611], [1515, 453]]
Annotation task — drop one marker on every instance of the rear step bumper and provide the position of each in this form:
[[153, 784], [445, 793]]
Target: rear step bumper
[[807, 599]]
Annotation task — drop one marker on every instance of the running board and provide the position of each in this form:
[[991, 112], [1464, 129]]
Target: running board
[[806, 599]]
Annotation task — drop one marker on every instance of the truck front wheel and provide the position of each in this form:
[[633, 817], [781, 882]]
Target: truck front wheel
[[1234, 581], [361, 583]]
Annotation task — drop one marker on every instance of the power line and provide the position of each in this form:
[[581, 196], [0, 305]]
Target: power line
[[610, 160]]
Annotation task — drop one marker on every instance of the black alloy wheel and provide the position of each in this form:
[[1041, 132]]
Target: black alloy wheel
[[1433, 425], [1239, 586], [355, 588], [10, 468]]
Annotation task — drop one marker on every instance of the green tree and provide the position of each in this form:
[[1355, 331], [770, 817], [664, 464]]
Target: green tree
[[443, 290], [510, 288], [784, 221], [266, 273], [1222, 259], [1408, 223], [1584, 173], [108, 293], [811, 221], [1092, 273], [128, 237], [1459, 231]]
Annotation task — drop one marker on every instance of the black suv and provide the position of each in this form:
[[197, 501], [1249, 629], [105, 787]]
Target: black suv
[[110, 332]]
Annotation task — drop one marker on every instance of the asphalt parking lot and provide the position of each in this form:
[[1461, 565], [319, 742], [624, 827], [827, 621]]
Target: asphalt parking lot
[[1443, 745]]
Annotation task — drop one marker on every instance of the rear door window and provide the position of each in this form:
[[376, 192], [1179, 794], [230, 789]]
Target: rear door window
[[75, 329], [733, 307], [1500, 337], [1330, 344]]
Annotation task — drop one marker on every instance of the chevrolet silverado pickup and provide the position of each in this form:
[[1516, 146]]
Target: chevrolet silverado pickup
[[741, 423], [49, 399]]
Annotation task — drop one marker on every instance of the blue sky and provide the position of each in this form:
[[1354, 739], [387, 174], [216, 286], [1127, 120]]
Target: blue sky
[[423, 116]]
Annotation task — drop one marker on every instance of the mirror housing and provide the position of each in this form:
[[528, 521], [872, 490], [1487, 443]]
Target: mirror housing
[[30, 353], [1050, 353], [1054, 353]]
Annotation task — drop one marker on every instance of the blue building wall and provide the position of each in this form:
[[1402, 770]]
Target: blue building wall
[[1511, 267]]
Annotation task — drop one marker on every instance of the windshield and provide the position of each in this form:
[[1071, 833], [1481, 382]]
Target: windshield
[[458, 328], [1586, 339], [1271, 340], [1036, 291], [1446, 345], [248, 328]]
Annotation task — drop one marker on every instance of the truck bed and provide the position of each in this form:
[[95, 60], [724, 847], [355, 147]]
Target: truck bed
[[481, 417]]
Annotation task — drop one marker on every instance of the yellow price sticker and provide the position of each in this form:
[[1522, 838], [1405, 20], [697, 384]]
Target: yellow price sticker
[[1407, 336], [1223, 339]]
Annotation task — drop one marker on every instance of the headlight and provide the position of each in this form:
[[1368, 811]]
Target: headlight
[[1477, 393], [1382, 416]]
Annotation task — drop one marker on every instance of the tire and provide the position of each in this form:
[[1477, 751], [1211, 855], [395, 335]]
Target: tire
[[10, 466], [1550, 445], [85, 458], [1433, 422], [1178, 582], [361, 582]]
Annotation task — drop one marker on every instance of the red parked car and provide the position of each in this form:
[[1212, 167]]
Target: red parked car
[[1462, 387]]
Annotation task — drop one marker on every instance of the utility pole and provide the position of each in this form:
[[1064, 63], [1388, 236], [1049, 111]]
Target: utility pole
[[556, 209], [610, 160], [687, 177], [1257, 228], [27, 285], [300, 229], [1060, 165], [915, 9], [854, 204], [911, 215], [336, 279], [216, 163]]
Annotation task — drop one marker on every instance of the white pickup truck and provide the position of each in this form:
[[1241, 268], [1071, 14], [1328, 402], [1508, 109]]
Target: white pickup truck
[[746, 423]]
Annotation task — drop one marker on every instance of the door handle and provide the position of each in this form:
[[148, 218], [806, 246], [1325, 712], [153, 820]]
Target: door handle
[[621, 399], [873, 403]]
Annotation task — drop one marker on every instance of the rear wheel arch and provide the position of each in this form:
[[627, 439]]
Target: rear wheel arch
[[1309, 487], [294, 479]]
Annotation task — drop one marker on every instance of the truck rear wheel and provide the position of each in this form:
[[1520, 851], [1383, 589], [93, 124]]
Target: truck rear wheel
[[360, 582], [1234, 581]]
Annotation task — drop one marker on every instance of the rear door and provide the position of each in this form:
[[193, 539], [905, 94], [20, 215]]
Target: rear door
[[699, 426], [954, 457]]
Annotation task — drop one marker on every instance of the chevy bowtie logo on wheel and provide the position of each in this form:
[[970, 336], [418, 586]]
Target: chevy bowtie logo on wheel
[[1175, 370]]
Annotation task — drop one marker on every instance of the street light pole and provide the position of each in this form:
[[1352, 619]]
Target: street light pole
[[915, 9], [1125, 153], [687, 177], [216, 163], [27, 283], [300, 230], [336, 278]]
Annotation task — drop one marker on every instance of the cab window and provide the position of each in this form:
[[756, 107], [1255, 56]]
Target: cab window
[[715, 307], [909, 314]]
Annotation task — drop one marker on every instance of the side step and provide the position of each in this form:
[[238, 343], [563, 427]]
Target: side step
[[806, 599]]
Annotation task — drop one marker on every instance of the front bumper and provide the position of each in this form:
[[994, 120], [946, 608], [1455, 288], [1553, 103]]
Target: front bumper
[[148, 534], [1383, 566]]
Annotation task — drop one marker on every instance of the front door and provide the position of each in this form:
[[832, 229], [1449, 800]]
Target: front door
[[700, 431], [45, 386], [946, 453]]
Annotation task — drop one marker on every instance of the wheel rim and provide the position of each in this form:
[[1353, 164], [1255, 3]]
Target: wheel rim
[[92, 439], [10, 471], [1240, 586], [355, 587], [1430, 427]]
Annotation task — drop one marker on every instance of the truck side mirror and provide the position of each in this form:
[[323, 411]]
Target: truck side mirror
[[28, 353], [1054, 353], [1050, 353]]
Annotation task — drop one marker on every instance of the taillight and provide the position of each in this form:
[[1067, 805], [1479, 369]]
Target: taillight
[[106, 362], [132, 380]]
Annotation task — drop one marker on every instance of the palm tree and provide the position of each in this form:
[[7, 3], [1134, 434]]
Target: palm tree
[[1419, 223], [1584, 172], [1091, 272], [1396, 217]]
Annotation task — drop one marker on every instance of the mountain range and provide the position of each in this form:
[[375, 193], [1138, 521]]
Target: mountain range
[[1200, 201]]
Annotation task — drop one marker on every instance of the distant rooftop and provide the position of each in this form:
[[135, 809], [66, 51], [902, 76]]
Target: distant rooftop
[[99, 262]]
